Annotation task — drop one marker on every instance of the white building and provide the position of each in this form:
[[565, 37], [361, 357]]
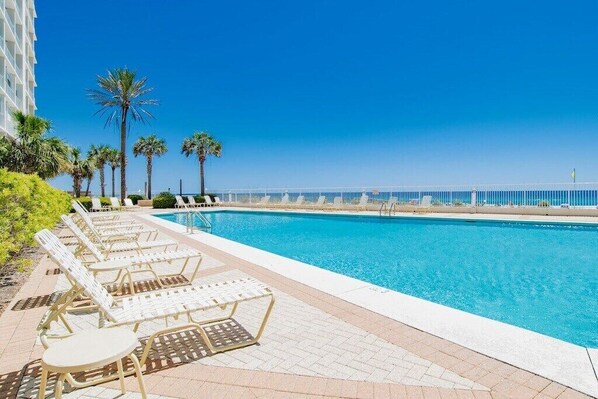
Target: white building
[[17, 60]]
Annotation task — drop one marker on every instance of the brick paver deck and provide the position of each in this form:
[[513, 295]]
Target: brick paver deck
[[315, 345]]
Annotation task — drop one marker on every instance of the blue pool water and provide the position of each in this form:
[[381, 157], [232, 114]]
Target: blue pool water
[[540, 277]]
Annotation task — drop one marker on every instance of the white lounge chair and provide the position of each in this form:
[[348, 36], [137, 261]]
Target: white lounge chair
[[320, 203], [130, 206], [115, 204], [299, 201], [143, 308], [337, 203], [192, 202], [96, 206], [218, 201], [180, 202], [264, 200], [125, 245], [363, 202], [100, 216], [129, 264], [208, 200], [426, 201], [284, 201], [104, 223], [118, 232]]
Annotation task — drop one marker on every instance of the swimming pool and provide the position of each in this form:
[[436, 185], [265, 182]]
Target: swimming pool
[[542, 277]]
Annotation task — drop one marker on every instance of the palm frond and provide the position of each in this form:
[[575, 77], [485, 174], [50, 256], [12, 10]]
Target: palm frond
[[118, 93]]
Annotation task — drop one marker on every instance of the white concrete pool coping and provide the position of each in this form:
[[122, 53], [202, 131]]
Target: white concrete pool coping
[[561, 361]]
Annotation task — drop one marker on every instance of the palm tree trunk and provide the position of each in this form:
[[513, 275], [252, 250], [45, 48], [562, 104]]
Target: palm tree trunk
[[87, 188], [102, 184], [77, 186], [113, 169], [149, 177], [123, 156], [201, 175]]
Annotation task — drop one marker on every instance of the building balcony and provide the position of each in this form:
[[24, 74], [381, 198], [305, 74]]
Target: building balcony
[[10, 56], [10, 22], [19, 11]]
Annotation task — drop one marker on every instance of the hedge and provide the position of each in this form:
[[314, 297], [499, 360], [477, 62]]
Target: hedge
[[135, 198], [27, 205], [164, 200]]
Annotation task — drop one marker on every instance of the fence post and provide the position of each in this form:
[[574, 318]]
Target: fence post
[[473, 197]]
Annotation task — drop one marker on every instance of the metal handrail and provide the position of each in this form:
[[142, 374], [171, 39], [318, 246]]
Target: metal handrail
[[191, 214], [204, 219], [392, 208], [382, 206]]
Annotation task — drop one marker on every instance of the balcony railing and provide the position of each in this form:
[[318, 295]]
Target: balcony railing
[[11, 22], [18, 10], [579, 195], [10, 128], [10, 56], [10, 88], [19, 33]]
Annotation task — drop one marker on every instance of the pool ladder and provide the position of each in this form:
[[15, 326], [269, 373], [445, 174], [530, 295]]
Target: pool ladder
[[191, 217], [385, 209]]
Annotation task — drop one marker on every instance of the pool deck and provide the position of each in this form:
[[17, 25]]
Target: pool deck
[[329, 336]]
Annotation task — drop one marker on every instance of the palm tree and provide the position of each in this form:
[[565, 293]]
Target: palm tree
[[89, 170], [32, 151], [201, 144], [119, 95], [114, 160], [100, 155], [149, 146], [80, 168]]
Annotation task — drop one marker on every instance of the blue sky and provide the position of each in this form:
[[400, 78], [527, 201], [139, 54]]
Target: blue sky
[[322, 93]]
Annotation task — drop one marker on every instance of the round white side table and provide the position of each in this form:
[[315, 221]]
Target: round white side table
[[87, 350]]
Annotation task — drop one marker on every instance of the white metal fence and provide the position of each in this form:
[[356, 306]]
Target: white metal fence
[[500, 195]]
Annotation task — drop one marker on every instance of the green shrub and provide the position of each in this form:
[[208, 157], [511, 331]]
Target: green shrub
[[164, 200], [27, 205], [86, 201], [544, 204], [135, 198]]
